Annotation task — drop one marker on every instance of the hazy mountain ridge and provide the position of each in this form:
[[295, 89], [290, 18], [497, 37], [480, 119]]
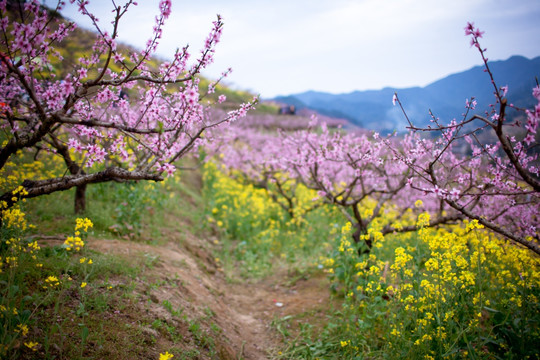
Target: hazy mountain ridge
[[373, 109]]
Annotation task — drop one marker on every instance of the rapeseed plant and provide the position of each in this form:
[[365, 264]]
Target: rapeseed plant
[[262, 227], [445, 293], [20, 268]]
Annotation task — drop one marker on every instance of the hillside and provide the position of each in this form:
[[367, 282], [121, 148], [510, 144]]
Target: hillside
[[373, 109]]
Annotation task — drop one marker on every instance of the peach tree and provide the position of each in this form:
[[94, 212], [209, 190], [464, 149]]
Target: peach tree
[[85, 117]]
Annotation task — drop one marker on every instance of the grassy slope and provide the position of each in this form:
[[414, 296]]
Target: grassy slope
[[126, 320]]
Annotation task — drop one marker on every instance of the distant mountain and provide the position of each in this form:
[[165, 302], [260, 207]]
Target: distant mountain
[[373, 109]]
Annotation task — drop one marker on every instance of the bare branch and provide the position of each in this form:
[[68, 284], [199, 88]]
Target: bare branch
[[36, 188]]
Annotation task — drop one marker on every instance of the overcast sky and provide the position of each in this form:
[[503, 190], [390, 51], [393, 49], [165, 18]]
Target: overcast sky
[[279, 47]]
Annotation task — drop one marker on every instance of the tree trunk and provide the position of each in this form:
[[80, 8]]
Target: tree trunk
[[356, 237], [80, 199], [361, 229], [74, 169]]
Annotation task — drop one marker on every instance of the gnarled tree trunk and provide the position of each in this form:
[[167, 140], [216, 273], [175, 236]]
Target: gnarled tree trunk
[[80, 199]]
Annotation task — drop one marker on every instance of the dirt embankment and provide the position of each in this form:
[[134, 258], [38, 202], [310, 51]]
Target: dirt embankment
[[190, 279]]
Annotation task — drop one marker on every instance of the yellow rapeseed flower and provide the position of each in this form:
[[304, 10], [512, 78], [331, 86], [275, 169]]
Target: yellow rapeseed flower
[[83, 224], [23, 329], [52, 281], [14, 218], [31, 345], [347, 228], [423, 220], [74, 242], [165, 356]]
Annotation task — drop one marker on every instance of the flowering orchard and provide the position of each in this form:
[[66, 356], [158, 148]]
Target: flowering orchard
[[433, 250], [369, 179], [437, 256], [494, 182], [250, 155], [114, 116], [456, 291], [83, 118]]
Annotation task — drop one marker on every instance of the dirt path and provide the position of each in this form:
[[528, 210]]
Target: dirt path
[[191, 280], [255, 306]]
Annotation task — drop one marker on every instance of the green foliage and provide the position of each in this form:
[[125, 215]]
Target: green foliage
[[132, 201], [439, 294], [38, 284]]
